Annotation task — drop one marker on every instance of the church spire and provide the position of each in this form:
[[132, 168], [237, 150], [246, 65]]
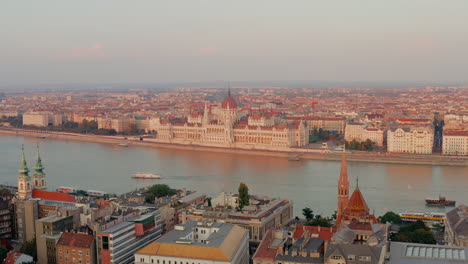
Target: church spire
[[229, 90], [343, 188], [24, 171], [344, 169], [39, 169]]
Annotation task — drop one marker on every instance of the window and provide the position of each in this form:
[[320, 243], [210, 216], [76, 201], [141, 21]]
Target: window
[[351, 257]]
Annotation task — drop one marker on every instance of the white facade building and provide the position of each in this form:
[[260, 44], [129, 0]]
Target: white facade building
[[455, 142], [418, 140], [362, 132], [36, 119], [200, 243]]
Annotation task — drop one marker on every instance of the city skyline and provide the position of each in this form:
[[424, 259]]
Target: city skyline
[[117, 41]]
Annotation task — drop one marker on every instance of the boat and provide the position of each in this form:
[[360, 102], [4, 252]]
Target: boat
[[122, 144], [96, 193], [146, 176], [428, 218], [295, 159], [441, 201], [66, 189]]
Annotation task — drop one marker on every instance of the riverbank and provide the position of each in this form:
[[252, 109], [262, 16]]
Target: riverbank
[[302, 153]]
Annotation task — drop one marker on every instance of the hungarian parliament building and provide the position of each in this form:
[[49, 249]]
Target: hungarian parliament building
[[227, 129]]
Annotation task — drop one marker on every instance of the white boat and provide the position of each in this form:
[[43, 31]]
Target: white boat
[[122, 144], [146, 176]]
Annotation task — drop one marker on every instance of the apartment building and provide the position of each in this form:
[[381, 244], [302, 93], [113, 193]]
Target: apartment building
[[76, 248], [362, 132], [410, 139], [198, 242], [455, 142], [48, 232], [118, 243]]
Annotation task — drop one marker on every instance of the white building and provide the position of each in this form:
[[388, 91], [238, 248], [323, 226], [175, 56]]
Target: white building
[[226, 199], [362, 132], [38, 119], [418, 140], [42, 119], [200, 243], [455, 142]]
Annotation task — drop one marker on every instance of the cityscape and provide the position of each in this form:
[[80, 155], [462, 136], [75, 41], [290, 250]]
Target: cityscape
[[242, 133]]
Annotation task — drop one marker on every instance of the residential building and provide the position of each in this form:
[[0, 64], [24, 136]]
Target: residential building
[[339, 253], [456, 227], [455, 142], [17, 258], [26, 212], [410, 139], [297, 244], [117, 244], [198, 242], [38, 119], [412, 253], [48, 232], [362, 132], [261, 215], [76, 248]]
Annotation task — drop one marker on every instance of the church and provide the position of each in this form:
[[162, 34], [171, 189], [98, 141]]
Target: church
[[353, 218], [229, 130], [26, 183]]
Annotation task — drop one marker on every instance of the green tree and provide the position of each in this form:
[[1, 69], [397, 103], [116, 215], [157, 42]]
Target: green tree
[[243, 195], [308, 214], [29, 248], [416, 232], [3, 253], [390, 217], [157, 191]]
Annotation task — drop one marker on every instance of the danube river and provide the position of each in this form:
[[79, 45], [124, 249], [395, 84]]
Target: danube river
[[311, 183]]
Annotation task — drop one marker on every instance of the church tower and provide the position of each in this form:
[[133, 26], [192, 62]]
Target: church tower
[[343, 188], [39, 177], [24, 181]]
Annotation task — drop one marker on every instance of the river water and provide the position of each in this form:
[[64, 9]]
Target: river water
[[109, 168]]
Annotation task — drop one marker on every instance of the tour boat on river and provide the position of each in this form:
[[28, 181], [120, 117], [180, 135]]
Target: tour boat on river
[[441, 201]]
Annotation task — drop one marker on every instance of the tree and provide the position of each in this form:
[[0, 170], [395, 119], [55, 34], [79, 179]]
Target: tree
[[416, 232], [308, 214], [29, 248], [390, 217], [243, 195], [157, 191], [3, 253]]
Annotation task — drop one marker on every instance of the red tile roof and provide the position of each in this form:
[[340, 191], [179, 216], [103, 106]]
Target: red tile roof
[[76, 240], [53, 196], [357, 203], [324, 233], [264, 250]]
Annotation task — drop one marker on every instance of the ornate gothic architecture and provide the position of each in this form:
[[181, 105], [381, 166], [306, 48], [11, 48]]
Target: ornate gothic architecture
[[26, 184], [228, 130]]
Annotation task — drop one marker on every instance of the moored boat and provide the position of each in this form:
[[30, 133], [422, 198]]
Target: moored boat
[[146, 176]]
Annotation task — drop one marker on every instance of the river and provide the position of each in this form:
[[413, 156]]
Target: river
[[311, 183]]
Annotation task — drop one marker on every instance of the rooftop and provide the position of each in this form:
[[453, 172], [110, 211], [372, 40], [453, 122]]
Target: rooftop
[[76, 240], [402, 253]]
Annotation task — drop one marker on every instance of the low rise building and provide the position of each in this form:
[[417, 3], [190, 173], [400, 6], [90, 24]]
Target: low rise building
[[339, 253], [456, 227], [257, 218], [412, 253], [198, 242], [76, 248]]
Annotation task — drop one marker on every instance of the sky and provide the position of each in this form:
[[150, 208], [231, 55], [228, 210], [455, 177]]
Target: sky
[[153, 41]]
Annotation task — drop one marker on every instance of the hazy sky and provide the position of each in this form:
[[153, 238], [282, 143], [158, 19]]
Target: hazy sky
[[95, 41]]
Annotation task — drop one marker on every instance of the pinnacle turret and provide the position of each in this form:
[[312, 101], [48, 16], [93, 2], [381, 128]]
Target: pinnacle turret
[[38, 168], [24, 171]]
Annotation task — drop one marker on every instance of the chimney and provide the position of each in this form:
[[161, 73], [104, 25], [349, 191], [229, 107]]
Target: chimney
[[281, 250], [319, 228]]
